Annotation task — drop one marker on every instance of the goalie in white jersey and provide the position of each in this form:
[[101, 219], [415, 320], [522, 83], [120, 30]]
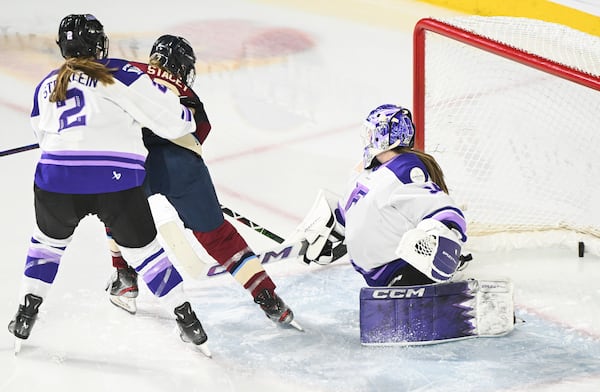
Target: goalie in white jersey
[[398, 222], [401, 228]]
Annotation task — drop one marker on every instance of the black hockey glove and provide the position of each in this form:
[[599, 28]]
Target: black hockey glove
[[191, 102], [196, 104], [331, 251]]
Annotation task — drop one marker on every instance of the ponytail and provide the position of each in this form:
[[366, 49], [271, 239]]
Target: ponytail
[[435, 171], [87, 65]]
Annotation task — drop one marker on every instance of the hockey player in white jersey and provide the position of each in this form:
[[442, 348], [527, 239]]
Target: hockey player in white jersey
[[402, 229], [88, 117], [398, 196]]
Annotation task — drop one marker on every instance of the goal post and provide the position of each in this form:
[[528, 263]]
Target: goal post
[[510, 108]]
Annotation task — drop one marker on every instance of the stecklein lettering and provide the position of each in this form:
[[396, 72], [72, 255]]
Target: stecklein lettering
[[78, 77], [165, 75], [398, 293]]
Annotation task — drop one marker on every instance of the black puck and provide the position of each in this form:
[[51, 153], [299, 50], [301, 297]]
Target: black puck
[[580, 248]]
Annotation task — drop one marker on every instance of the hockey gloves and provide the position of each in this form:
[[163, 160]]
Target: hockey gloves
[[191, 102], [327, 245], [200, 117], [322, 231], [432, 248]]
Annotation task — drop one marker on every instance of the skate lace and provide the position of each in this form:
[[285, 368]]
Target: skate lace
[[185, 315], [31, 306]]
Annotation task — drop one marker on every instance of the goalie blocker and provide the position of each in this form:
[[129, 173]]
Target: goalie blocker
[[435, 313]]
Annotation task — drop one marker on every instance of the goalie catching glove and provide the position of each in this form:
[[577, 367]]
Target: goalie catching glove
[[433, 249], [321, 230]]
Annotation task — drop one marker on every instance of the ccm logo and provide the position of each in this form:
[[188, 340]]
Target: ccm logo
[[398, 293]]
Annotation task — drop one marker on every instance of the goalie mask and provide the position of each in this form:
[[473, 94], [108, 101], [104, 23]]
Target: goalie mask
[[82, 36], [175, 54], [386, 127]]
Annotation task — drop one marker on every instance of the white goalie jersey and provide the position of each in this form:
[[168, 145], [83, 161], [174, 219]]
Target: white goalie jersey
[[389, 201]]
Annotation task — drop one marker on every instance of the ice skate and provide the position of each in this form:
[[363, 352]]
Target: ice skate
[[190, 328], [23, 322], [276, 309], [123, 289]]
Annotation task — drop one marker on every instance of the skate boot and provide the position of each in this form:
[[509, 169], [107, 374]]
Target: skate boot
[[23, 322], [123, 289], [276, 309], [190, 328]]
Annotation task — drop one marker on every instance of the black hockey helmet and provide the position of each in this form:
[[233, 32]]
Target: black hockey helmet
[[175, 54], [82, 35]]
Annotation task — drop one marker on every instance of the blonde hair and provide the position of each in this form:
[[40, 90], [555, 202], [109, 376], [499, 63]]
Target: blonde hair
[[435, 171], [154, 61], [87, 65]]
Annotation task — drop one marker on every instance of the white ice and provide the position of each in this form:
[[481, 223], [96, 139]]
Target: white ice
[[286, 85]]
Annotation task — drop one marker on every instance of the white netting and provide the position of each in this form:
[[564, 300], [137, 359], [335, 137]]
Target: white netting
[[518, 146]]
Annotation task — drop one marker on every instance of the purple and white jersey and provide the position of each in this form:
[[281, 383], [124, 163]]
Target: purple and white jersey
[[92, 141], [386, 202]]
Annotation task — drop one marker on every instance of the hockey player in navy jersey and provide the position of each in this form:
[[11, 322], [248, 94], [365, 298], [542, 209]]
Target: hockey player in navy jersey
[[176, 169], [404, 234], [87, 117]]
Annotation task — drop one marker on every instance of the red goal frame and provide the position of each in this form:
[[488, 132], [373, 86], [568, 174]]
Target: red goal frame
[[487, 44]]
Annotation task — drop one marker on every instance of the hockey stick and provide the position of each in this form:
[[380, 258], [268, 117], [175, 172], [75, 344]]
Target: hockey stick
[[252, 225], [178, 241], [19, 149], [281, 252], [290, 249]]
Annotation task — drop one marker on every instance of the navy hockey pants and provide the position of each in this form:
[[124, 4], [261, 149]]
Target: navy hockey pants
[[183, 178]]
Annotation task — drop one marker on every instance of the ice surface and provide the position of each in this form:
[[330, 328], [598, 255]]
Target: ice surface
[[286, 90]]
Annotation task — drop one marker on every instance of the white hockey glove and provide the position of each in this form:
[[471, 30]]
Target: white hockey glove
[[432, 248], [328, 244], [322, 231]]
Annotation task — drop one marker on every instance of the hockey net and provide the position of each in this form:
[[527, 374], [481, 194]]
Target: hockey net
[[510, 108]]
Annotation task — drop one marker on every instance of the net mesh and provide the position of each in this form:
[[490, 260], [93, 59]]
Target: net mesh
[[518, 145]]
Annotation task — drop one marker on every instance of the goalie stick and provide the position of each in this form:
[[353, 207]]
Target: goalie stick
[[295, 246], [281, 252], [178, 240], [252, 225]]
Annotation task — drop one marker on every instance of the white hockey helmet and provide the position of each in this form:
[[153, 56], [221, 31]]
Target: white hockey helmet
[[386, 127]]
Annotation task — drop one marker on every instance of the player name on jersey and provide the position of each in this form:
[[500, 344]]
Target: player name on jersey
[[159, 73]]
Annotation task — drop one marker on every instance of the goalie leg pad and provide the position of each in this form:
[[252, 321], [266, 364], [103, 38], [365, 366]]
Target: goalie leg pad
[[435, 313], [495, 308]]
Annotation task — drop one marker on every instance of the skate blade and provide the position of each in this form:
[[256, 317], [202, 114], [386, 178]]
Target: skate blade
[[295, 324], [18, 343], [203, 348], [125, 303]]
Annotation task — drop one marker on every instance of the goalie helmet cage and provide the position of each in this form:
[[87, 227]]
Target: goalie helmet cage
[[510, 108]]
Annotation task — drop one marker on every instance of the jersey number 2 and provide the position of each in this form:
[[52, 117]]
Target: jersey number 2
[[70, 117]]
